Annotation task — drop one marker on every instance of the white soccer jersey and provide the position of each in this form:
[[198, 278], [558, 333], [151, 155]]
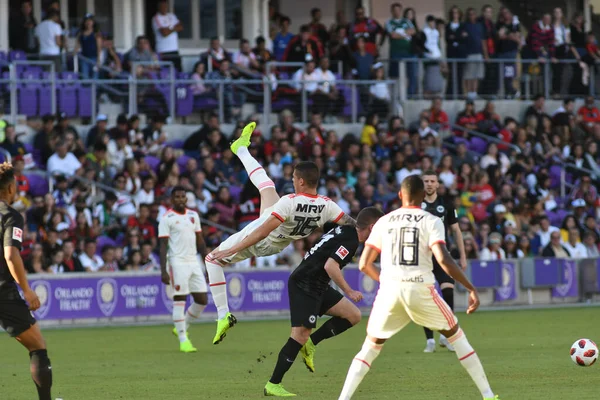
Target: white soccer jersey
[[404, 238], [181, 230], [300, 215]]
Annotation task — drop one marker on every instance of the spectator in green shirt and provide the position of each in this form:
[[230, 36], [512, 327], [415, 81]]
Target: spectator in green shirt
[[401, 31]]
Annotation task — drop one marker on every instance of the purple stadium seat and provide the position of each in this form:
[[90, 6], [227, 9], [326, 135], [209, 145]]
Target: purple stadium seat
[[17, 55], [176, 144], [67, 100], [85, 101], [458, 140], [347, 93], [183, 75], [235, 191], [478, 145], [205, 103], [27, 97], [29, 147], [153, 162], [38, 185], [555, 174], [184, 103], [102, 242], [182, 161], [68, 78]]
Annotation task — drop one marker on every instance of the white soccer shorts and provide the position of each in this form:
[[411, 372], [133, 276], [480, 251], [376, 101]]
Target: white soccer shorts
[[187, 278], [397, 304], [261, 249]]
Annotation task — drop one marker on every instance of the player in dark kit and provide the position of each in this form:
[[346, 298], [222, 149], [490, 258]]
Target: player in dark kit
[[15, 315], [311, 296], [446, 212]]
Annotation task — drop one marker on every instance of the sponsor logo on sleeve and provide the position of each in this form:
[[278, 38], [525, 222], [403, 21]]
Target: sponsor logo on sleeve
[[17, 234], [342, 252]]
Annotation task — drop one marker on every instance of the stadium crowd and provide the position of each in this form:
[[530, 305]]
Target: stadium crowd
[[507, 195], [469, 37]]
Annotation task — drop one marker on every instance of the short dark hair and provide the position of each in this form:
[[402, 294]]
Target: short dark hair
[[99, 146], [260, 39], [89, 241], [107, 248], [110, 196], [7, 175], [309, 171], [284, 19], [430, 172], [368, 216], [394, 5], [413, 184], [178, 188], [145, 205], [314, 11], [244, 41]]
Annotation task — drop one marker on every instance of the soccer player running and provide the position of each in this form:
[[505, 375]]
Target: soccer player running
[[180, 236], [15, 313], [435, 205], [406, 239], [311, 296], [281, 221]]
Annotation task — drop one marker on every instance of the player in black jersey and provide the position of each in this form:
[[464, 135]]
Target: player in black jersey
[[311, 296], [15, 316], [446, 212]]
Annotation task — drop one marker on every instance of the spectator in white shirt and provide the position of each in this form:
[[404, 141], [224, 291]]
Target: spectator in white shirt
[[545, 231], [49, 34], [409, 169], [119, 152], [328, 86], [166, 28], [425, 129], [90, 261], [493, 251], [589, 241], [245, 58], [63, 162], [146, 194], [203, 195], [308, 77], [574, 246], [379, 92]]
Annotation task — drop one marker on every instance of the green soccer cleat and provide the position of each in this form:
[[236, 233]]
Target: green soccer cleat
[[223, 325], [277, 390], [244, 139], [187, 347], [187, 335], [492, 398], [308, 354]]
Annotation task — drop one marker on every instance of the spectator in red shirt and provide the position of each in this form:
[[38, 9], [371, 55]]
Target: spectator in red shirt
[[301, 45], [144, 223], [366, 28], [22, 181], [467, 119], [317, 29], [590, 117], [483, 190], [487, 120], [507, 133], [437, 115]]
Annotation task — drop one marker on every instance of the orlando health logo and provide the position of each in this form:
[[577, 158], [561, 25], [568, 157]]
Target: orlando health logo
[[236, 286], [368, 287], [106, 295], [43, 290]]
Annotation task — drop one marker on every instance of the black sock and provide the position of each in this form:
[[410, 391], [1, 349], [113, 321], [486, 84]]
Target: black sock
[[428, 333], [332, 327], [448, 295], [41, 372], [286, 358]]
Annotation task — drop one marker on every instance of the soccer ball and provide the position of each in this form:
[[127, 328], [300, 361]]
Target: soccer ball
[[584, 352]]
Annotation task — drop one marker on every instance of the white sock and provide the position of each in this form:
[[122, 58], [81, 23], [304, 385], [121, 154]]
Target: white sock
[[359, 368], [470, 361], [431, 341], [193, 312], [257, 174], [179, 319], [218, 287]]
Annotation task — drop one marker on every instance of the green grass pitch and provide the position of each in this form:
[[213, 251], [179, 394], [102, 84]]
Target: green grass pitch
[[525, 354]]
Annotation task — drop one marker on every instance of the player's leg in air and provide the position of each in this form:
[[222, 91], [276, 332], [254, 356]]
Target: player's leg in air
[[344, 315], [17, 320], [447, 287], [268, 198], [303, 310]]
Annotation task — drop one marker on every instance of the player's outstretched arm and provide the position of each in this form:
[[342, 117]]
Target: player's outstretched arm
[[201, 245], [449, 265], [335, 273], [367, 260], [256, 236], [346, 220], [12, 255], [164, 275]]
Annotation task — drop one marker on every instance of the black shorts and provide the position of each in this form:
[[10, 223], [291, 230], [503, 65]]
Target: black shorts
[[15, 317], [304, 309], [440, 275]]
